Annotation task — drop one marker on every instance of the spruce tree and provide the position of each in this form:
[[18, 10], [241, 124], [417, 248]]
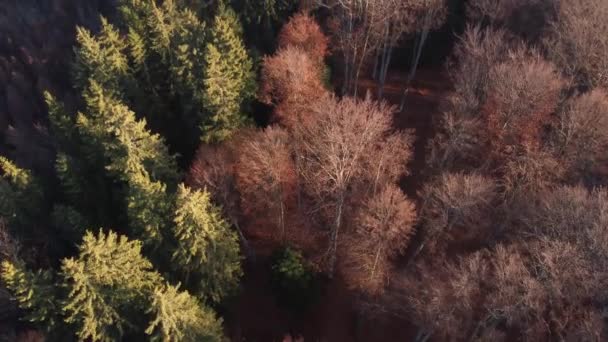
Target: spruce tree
[[108, 280], [207, 249], [80, 172], [101, 59], [178, 317], [134, 156], [34, 292], [229, 78], [127, 144], [21, 196], [166, 46]]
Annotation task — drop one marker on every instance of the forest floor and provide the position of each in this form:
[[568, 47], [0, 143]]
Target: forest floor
[[259, 318]]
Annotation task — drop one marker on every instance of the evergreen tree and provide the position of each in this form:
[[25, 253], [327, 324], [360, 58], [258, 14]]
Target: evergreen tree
[[178, 317], [20, 196], [229, 78], [148, 208], [127, 145], [207, 249], [101, 59], [109, 279], [166, 46], [134, 156], [34, 293], [80, 172]]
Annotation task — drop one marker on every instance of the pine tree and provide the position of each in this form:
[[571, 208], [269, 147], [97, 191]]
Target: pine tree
[[109, 279], [229, 78], [34, 293], [207, 250], [178, 317]]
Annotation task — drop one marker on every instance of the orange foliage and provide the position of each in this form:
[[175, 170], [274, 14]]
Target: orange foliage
[[291, 82], [384, 226], [267, 182], [522, 94], [302, 31]]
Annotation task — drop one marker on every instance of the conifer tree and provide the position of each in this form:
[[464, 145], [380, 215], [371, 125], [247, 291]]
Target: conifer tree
[[109, 279], [20, 195], [127, 144], [166, 46], [34, 293], [80, 173], [229, 78], [178, 316], [207, 250], [133, 155], [101, 59]]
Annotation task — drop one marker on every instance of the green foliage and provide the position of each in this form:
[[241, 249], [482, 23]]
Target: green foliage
[[34, 293], [148, 208], [293, 280], [20, 195], [207, 249], [109, 279], [101, 59], [62, 125], [112, 170], [229, 78], [178, 316], [166, 46], [69, 222], [127, 145], [266, 11]]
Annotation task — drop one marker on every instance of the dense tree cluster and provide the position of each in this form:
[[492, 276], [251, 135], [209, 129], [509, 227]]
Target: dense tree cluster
[[504, 235]]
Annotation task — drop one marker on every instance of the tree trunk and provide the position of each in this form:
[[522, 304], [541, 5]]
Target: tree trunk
[[414, 67], [448, 227], [375, 72], [423, 336], [333, 242], [282, 221], [384, 70], [375, 263]]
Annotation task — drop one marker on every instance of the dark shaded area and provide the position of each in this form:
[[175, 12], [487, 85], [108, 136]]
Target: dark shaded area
[[36, 40], [439, 44]]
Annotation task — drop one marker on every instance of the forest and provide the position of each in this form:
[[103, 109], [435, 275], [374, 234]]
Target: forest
[[303, 170]]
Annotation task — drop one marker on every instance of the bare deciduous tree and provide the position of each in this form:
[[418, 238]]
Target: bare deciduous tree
[[515, 295], [336, 149], [578, 41], [458, 144], [302, 31], [526, 18], [357, 27], [266, 180], [477, 51], [291, 82], [213, 170], [384, 226], [528, 171], [580, 134], [459, 140], [430, 14], [456, 206], [522, 93]]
